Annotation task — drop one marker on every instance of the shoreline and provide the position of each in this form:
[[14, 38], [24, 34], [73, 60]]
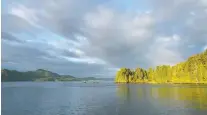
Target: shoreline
[[158, 83]]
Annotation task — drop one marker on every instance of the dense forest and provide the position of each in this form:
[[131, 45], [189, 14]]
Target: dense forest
[[194, 70], [38, 75]]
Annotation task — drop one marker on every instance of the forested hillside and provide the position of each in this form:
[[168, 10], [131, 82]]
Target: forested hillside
[[38, 75], [194, 70]]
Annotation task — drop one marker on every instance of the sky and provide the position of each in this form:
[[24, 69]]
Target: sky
[[97, 37]]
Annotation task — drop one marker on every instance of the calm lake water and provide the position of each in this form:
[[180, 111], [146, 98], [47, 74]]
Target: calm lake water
[[107, 98]]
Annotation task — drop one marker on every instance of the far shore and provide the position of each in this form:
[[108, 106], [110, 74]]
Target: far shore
[[155, 83]]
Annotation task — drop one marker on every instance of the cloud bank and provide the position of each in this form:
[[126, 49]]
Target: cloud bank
[[95, 37]]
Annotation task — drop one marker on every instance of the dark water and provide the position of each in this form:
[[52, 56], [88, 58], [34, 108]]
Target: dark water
[[73, 98]]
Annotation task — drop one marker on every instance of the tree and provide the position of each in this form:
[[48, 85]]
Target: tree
[[194, 70]]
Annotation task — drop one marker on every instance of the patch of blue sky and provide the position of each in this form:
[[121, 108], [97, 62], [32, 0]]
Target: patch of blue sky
[[131, 5]]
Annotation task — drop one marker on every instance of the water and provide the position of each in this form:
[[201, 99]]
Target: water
[[75, 98]]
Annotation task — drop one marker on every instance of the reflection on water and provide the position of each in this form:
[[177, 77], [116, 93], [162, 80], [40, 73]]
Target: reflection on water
[[189, 96], [71, 98]]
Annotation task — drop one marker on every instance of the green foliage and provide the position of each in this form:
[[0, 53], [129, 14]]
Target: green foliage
[[194, 70], [38, 75], [124, 75]]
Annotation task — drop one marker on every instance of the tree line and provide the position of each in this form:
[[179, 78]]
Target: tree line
[[194, 70]]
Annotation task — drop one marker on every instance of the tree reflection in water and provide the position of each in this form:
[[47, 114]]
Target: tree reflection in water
[[190, 96]]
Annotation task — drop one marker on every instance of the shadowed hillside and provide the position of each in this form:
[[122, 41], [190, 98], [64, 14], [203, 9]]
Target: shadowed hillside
[[38, 75]]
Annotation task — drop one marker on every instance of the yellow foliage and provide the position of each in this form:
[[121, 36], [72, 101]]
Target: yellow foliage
[[194, 70]]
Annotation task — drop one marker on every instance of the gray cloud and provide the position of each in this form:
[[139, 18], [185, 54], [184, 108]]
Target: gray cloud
[[186, 18], [10, 37], [12, 23], [25, 58], [112, 37], [172, 31]]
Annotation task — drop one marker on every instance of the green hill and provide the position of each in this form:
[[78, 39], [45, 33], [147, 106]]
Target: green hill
[[38, 75], [194, 70]]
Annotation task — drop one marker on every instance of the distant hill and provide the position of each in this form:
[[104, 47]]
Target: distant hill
[[41, 75], [38, 75], [105, 79]]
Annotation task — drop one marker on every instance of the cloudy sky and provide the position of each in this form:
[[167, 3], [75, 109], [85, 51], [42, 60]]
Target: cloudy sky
[[96, 37]]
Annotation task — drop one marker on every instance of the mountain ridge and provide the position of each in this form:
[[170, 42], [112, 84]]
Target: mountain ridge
[[38, 75]]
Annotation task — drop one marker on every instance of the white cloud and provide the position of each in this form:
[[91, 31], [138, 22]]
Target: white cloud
[[192, 13], [176, 37], [191, 46], [100, 19], [24, 12], [203, 2], [165, 51], [93, 33], [139, 27], [121, 33], [205, 48], [87, 60], [77, 51]]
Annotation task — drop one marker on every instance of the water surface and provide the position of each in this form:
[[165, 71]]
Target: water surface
[[105, 98]]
